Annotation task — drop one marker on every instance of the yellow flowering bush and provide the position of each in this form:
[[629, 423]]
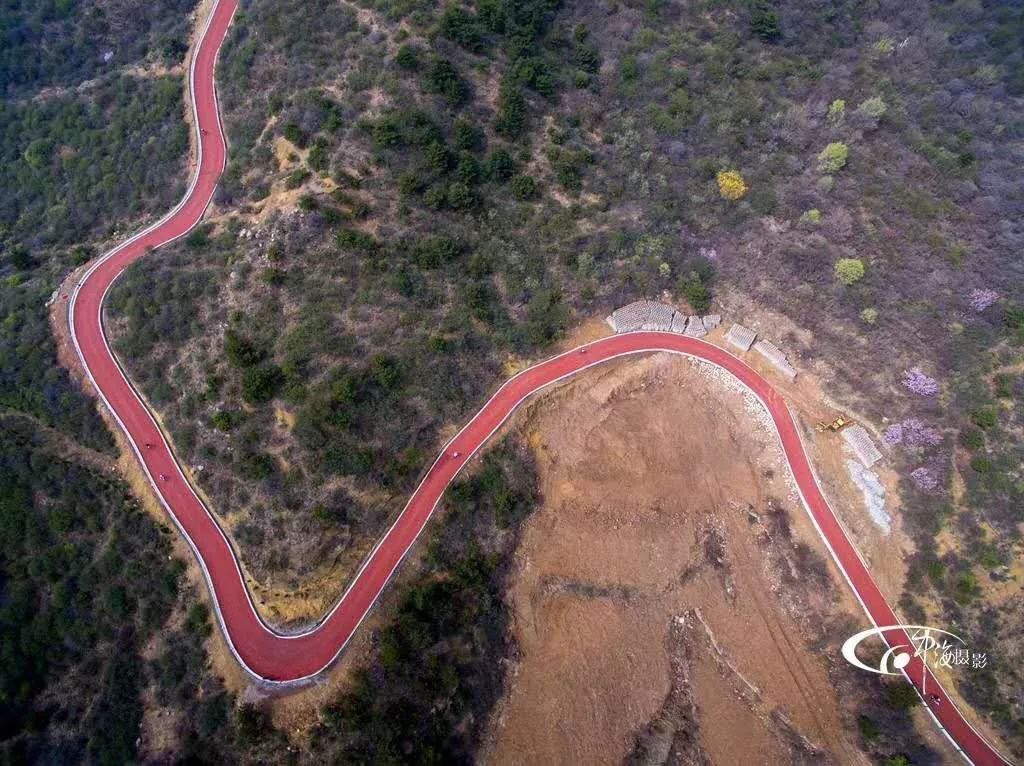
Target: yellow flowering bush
[[731, 184]]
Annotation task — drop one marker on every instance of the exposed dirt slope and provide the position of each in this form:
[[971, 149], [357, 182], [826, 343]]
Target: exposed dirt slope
[[666, 592]]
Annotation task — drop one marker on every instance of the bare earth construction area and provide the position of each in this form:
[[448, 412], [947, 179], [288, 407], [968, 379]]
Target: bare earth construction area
[[668, 592]]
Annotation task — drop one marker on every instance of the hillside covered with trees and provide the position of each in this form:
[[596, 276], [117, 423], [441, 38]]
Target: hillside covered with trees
[[389, 236], [99, 630], [420, 194]]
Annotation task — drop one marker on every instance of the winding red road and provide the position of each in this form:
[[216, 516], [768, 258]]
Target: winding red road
[[278, 658]]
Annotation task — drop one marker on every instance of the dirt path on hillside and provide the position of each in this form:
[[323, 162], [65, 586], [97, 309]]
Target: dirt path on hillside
[[661, 598]]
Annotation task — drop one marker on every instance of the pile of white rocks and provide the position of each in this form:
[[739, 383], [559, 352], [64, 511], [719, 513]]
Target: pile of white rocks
[[652, 315], [743, 339]]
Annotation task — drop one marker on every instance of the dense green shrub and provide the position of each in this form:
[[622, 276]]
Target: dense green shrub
[[295, 134], [546, 317], [227, 420], [481, 299], [274, 276], [764, 21], [965, 587], [468, 170], [524, 188], [568, 167], [260, 384], [408, 58], [1013, 319], [849, 271], [319, 155], [869, 730], [1004, 385], [901, 695], [985, 418], [499, 166], [586, 57], [972, 439], [296, 178], [240, 351], [18, 256], [256, 465], [438, 157], [460, 197], [405, 128], [982, 465], [462, 27], [436, 197], [533, 72], [433, 251], [695, 292], [468, 136], [443, 78], [360, 241], [833, 157], [511, 118]]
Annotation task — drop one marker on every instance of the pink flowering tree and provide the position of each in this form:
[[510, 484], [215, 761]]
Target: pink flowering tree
[[912, 432], [915, 380], [979, 300], [893, 435], [926, 479]]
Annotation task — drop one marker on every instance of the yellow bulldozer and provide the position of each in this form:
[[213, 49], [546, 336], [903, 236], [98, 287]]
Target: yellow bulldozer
[[835, 426]]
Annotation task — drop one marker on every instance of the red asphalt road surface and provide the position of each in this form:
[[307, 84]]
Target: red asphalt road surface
[[287, 658]]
